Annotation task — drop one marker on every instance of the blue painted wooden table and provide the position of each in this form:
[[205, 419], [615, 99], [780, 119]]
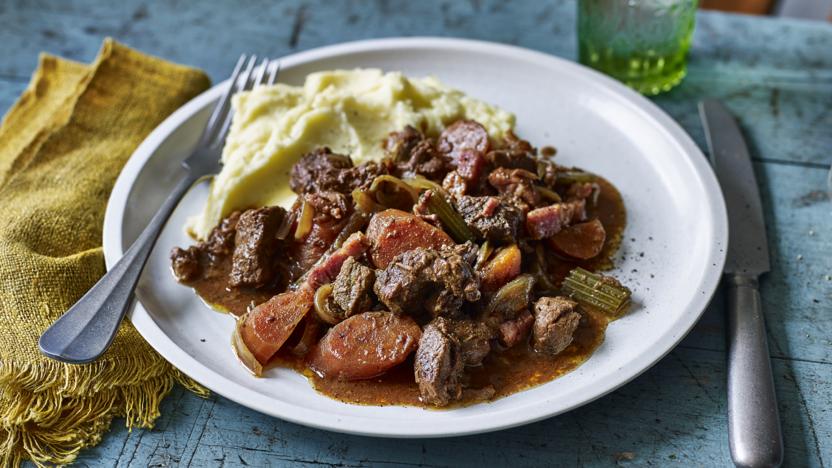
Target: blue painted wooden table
[[775, 75]]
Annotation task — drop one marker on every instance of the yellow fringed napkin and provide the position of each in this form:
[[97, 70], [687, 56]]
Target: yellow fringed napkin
[[62, 146]]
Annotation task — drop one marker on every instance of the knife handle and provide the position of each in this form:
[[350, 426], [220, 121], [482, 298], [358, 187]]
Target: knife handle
[[753, 419]]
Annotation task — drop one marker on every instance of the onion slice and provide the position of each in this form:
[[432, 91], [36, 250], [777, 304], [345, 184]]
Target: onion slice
[[241, 350]]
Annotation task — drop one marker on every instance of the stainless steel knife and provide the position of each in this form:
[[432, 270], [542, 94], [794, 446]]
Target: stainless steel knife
[[753, 420]]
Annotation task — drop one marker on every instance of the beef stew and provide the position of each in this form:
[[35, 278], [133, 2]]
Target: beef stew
[[454, 271]]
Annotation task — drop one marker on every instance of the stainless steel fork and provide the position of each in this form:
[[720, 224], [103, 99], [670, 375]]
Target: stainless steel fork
[[86, 330]]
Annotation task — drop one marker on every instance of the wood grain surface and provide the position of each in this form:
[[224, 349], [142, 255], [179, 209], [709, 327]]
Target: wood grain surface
[[775, 75]]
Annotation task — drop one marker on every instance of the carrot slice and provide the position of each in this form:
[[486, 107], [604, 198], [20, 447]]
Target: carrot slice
[[365, 346], [504, 267], [582, 241], [392, 232], [264, 330]]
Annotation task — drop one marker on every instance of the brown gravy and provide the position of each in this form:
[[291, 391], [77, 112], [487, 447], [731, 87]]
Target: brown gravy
[[214, 290], [509, 371]]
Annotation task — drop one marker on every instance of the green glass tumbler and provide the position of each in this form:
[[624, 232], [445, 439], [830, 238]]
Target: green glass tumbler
[[643, 43]]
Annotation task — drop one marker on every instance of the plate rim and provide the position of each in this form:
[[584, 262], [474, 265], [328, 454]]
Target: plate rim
[[155, 336]]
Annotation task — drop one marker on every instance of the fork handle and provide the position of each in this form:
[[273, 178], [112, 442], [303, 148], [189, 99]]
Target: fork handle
[[86, 330], [753, 421]]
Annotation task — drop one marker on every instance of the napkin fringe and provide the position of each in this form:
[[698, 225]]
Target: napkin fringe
[[52, 422]]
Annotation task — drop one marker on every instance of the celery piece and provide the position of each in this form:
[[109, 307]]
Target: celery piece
[[421, 183], [599, 291], [572, 177], [513, 296], [452, 220]]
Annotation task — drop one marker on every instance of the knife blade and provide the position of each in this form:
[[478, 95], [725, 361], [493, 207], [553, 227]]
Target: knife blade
[[747, 243], [754, 431]]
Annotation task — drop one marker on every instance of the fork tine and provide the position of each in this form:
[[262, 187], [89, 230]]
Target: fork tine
[[239, 84], [274, 70], [244, 84], [261, 73], [221, 107]]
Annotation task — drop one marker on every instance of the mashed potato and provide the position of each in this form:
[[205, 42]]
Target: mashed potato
[[350, 111]]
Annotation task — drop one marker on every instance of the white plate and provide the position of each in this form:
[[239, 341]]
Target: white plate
[[672, 256]]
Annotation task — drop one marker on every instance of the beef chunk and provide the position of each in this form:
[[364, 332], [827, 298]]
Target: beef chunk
[[185, 263], [220, 241], [399, 145], [555, 320], [511, 159], [425, 160], [352, 287], [549, 220], [329, 206], [426, 283], [325, 171], [516, 185], [254, 246], [512, 332], [445, 349], [515, 154], [438, 367], [474, 338], [490, 217], [415, 154], [318, 171]]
